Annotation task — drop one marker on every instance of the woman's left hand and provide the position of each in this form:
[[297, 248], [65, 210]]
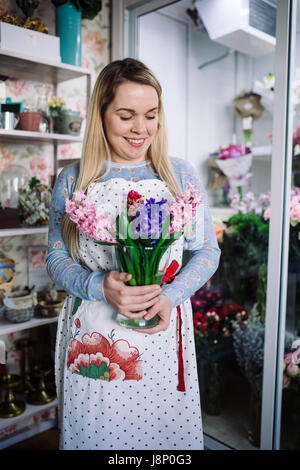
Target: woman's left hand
[[163, 309]]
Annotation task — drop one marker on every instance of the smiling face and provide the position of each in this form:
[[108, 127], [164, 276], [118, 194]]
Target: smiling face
[[131, 122]]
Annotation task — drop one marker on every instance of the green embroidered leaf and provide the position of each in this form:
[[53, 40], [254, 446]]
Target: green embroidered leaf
[[95, 372], [76, 306]]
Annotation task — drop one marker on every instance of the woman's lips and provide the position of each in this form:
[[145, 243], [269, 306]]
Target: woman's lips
[[135, 142]]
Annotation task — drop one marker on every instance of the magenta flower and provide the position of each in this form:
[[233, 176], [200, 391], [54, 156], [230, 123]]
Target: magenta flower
[[233, 151]]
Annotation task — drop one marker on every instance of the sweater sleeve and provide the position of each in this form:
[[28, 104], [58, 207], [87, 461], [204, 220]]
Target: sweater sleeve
[[67, 274], [202, 246]]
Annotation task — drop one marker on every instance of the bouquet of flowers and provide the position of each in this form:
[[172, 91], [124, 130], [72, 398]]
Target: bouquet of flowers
[[291, 367], [248, 341], [141, 233], [214, 325], [294, 223], [34, 202], [266, 89], [245, 239], [213, 319], [235, 162]]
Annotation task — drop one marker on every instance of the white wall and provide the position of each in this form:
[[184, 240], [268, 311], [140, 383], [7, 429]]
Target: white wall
[[162, 46], [199, 103]]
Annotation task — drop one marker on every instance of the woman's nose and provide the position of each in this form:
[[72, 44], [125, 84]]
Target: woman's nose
[[138, 125]]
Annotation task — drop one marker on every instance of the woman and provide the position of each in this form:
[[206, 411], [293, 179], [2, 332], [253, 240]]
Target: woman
[[148, 397]]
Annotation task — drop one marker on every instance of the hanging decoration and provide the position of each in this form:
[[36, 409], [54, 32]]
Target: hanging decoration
[[247, 106]]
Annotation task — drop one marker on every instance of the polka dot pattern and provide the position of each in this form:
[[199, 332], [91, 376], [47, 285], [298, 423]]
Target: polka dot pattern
[[127, 414]]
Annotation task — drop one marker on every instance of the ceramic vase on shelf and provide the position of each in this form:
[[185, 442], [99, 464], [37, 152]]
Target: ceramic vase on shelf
[[68, 28]]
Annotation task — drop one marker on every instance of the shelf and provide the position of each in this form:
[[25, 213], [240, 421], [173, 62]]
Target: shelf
[[222, 213], [15, 136], [7, 327], [263, 153], [11, 232], [29, 411], [26, 433], [36, 69]]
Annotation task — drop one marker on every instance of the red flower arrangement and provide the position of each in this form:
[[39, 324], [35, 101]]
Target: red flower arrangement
[[213, 319]]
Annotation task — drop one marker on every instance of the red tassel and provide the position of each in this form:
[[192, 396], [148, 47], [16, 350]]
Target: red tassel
[[181, 384]]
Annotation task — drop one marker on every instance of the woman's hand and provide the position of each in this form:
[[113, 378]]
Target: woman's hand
[[125, 299], [163, 309]]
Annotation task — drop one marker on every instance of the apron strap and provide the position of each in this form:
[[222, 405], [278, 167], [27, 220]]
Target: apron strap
[[168, 277]]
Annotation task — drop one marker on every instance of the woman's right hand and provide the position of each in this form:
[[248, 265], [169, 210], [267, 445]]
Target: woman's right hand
[[128, 299]]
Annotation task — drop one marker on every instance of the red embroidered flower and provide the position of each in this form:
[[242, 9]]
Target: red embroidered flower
[[77, 323], [94, 357]]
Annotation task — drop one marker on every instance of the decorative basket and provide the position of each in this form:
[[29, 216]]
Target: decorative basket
[[50, 308], [19, 306]]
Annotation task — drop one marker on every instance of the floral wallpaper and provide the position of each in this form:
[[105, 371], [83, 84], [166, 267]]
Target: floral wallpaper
[[38, 159]]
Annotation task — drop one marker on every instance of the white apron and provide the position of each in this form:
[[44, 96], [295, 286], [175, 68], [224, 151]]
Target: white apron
[[116, 387]]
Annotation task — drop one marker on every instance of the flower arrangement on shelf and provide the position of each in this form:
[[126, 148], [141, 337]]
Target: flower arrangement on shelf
[[56, 105], [248, 108], [235, 162], [291, 367], [64, 121], [34, 202], [142, 232], [266, 88]]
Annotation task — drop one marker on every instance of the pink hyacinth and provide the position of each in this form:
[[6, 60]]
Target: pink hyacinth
[[184, 207], [91, 223], [295, 208]]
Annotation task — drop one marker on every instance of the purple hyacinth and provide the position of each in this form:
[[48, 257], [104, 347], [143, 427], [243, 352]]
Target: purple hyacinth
[[151, 217]]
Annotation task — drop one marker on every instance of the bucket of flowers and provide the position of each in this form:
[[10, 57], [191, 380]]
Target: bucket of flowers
[[290, 435], [141, 234], [213, 327]]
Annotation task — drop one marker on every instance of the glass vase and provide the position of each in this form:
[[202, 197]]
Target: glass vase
[[147, 265]]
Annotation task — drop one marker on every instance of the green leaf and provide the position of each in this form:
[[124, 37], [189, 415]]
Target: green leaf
[[77, 304], [95, 372]]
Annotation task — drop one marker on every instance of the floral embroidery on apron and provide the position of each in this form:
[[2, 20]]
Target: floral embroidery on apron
[[94, 357]]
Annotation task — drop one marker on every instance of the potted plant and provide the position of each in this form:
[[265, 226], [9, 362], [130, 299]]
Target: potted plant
[[68, 26], [64, 121]]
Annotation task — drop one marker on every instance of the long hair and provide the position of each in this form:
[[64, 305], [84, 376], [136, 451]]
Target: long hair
[[95, 148]]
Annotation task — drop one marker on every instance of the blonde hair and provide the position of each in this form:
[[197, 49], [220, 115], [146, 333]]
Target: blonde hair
[[95, 148]]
